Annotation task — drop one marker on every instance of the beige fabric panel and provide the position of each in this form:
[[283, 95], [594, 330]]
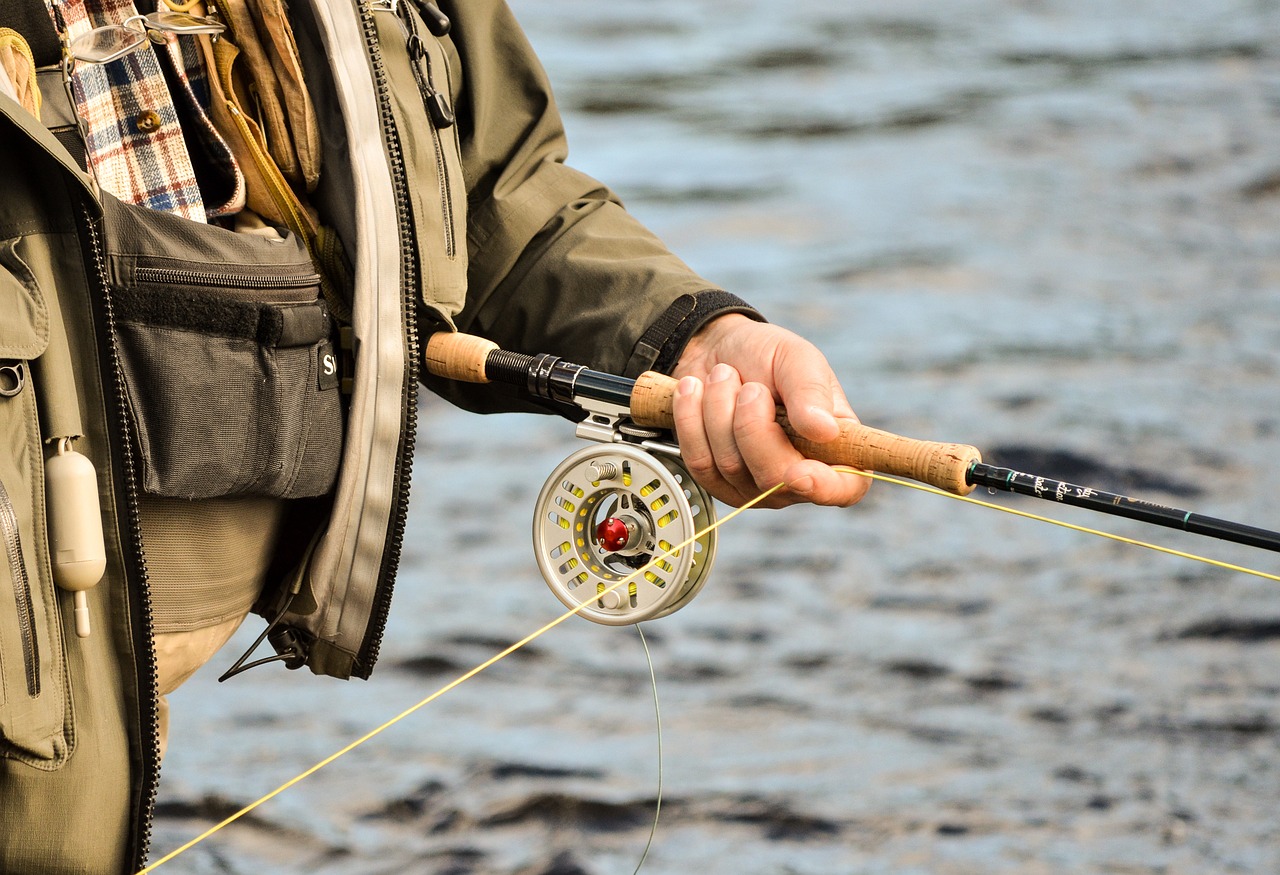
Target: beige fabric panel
[[206, 560]]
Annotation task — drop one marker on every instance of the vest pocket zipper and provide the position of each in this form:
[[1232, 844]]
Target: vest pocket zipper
[[26, 616], [442, 118], [167, 276], [34, 702]]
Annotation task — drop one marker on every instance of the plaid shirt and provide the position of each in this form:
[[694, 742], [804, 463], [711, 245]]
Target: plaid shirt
[[145, 129]]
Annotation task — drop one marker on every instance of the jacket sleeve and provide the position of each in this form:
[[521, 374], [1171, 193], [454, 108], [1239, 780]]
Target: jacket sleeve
[[556, 263]]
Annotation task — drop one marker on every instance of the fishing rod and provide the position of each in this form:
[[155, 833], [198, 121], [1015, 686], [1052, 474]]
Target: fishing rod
[[615, 507]]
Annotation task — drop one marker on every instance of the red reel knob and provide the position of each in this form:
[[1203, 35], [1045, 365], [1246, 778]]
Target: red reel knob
[[613, 534]]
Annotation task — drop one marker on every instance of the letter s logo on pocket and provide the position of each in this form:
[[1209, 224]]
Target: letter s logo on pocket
[[326, 367]]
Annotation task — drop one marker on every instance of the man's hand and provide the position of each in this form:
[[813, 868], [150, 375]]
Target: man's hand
[[733, 374]]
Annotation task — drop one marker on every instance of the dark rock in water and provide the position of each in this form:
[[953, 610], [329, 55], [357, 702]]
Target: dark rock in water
[[936, 734], [1075, 774], [594, 815], [778, 820], [810, 563], [562, 864], [1084, 471], [1111, 711], [457, 861], [411, 807], [1244, 629], [1021, 401], [508, 771], [992, 682], [429, 665], [699, 673], [809, 662], [1241, 726], [729, 634], [794, 57], [698, 194], [883, 262], [496, 645], [211, 807], [616, 104], [919, 669], [1091, 61], [1050, 715], [1267, 185], [422, 811], [930, 603], [761, 701]]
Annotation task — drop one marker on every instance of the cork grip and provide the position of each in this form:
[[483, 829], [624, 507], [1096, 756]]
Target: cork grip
[[459, 356], [938, 464]]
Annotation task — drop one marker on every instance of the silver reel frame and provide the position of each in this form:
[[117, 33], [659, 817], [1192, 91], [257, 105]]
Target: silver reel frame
[[664, 507]]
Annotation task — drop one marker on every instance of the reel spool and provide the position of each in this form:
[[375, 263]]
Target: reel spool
[[609, 510]]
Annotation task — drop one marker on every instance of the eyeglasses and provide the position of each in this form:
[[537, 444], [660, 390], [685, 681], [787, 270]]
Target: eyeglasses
[[113, 41]]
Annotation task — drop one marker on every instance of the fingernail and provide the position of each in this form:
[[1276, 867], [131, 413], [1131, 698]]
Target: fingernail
[[687, 387], [719, 373], [750, 393], [802, 485], [824, 415]]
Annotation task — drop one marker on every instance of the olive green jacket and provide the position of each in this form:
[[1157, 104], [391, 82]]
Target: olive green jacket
[[476, 225]]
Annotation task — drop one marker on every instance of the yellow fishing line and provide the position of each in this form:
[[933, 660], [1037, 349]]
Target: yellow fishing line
[[452, 684], [1044, 519], [629, 578]]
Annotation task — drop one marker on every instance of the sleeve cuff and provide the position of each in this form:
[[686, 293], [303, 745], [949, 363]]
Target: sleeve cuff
[[660, 347]]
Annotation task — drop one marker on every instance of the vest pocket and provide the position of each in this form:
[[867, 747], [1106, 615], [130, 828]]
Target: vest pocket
[[34, 706], [231, 394], [228, 357]]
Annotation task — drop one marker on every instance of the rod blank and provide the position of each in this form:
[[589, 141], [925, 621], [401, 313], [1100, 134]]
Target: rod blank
[[1008, 480]]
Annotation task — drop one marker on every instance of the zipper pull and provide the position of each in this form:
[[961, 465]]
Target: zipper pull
[[438, 108]]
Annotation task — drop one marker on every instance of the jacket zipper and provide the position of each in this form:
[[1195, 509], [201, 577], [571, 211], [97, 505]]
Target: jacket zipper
[[124, 471], [21, 592], [167, 276], [441, 117], [368, 655]]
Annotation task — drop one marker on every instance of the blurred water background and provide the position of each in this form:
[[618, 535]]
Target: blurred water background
[[1047, 228]]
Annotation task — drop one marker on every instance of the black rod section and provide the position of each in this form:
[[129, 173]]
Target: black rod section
[[553, 379], [1060, 491]]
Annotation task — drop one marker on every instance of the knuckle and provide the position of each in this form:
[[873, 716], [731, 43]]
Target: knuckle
[[700, 464]]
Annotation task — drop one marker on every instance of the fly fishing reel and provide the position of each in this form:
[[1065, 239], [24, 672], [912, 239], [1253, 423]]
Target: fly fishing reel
[[621, 531], [616, 512]]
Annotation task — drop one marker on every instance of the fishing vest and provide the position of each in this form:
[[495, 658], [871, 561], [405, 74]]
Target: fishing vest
[[195, 363]]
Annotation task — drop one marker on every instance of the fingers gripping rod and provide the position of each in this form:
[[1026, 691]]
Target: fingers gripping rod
[[649, 399]]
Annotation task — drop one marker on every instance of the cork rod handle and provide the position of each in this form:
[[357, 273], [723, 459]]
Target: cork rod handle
[[458, 356], [942, 465]]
